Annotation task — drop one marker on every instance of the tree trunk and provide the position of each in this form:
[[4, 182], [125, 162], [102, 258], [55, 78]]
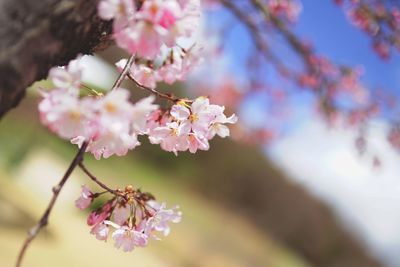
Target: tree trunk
[[36, 35]]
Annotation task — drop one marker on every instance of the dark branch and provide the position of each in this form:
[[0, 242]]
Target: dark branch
[[124, 72], [154, 91], [34, 231], [97, 181]]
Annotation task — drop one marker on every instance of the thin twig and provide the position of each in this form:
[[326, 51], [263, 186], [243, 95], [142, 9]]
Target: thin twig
[[292, 39], [255, 33], [97, 181], [154, 91], [34, 231], [124, 72]]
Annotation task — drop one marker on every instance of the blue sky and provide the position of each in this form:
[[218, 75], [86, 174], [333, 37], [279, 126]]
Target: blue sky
[[327, 27]]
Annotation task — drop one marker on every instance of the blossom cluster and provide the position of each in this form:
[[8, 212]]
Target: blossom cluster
[[143, 27], [338, 81], [111, 123], [174, 67], [189, 126], [287, 9], [380, 20], [133, 217]]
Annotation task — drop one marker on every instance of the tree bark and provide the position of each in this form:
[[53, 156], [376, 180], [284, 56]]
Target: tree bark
[[36, 35]]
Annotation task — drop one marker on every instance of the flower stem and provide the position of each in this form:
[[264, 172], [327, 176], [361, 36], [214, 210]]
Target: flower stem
[[97, 181], [124, 72], [154, 91]]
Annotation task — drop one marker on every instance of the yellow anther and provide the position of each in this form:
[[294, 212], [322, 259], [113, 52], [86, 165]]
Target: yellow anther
[[75, 115], [110, 107], [129, 188], [193, 118]]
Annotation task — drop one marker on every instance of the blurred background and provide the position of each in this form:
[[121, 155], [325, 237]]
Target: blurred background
[[306, 198]]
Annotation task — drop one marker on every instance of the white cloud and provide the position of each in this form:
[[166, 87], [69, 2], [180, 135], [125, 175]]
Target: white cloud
[[326, 162]]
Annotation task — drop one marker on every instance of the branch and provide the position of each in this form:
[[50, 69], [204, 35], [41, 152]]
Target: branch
[[97, 181], [291, 38], [154, 91], [34, 231], [124, 72], [260, 43]]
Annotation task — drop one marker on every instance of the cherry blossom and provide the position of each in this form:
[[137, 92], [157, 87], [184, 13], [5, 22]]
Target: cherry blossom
[[129, 238], [100, 215], [122, 213], [217, 126], [69, 77], [141, 114], [179, 64], [144, 75], [197, 142], [65, 115], [289, 9], [122, 11], [115, 138], [85, 198], [196, 119], [189, 126], [132, 217], [173, 65], [161, 217], [153, 24], [115, 105], [169, 138], [101, 231]]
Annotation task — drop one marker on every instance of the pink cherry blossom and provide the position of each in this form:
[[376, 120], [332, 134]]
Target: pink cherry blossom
[[131, 222], [126, 38], [141, 114], [100, 231], [161, 217], [179, 64], [149, 39], [156, 23], [122, 213], [85, 198], [122, 11], [289, 9], [169, 138], [66, 115], [128, 238], [217, 126], [197, 119], [115, 105], [144, 75], [161, 12], [197, 142], [169, 73], [115, 138], [186, 24], [98, 216], [189, 126], [69, 77]]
